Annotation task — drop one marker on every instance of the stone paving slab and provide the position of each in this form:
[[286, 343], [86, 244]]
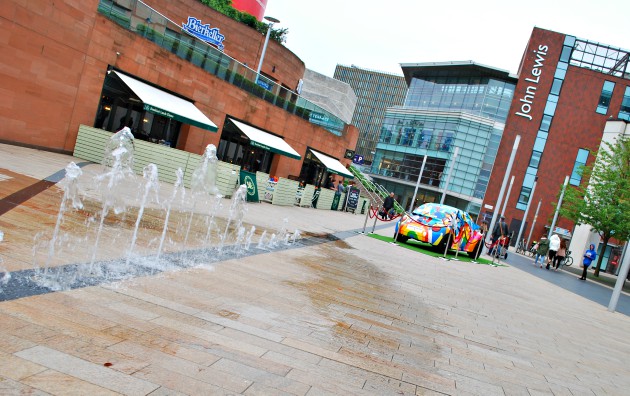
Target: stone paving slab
[[354, 316]]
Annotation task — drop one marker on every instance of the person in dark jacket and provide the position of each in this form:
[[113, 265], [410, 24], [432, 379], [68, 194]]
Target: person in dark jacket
[[388, 204], [500, 230]]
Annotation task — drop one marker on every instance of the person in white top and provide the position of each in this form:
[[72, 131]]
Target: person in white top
[[554, 245]]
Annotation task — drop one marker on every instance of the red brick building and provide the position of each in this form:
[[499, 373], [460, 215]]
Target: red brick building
[[56, 57], [567, 89]]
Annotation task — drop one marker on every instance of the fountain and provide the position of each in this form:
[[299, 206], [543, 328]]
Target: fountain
[[184, 229], [151, 185], [118, 168], [178, 189]]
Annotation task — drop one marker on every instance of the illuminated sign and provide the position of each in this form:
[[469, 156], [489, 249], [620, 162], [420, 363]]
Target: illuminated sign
[[204, 32], [530, 93]]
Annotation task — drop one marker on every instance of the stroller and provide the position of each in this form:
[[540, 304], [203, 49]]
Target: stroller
[[499, 248]]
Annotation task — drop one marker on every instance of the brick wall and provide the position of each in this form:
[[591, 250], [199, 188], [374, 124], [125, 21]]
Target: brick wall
[[55, 58]]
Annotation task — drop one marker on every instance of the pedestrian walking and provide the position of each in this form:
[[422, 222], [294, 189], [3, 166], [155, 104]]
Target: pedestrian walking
[[554, 245], [500, 231], [589, 257], [541, 252], [560, 255]]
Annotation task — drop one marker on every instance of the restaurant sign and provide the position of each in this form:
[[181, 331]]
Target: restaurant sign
[[204, 32]]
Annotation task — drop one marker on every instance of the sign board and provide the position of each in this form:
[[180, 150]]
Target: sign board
[[249, 180], [204, 32], [353, 199], [318, 190], [261, 82], [357, 159], [349, 154]]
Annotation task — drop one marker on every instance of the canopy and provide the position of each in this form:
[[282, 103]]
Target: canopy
[[165, 104], [333, 165], [266, 141]]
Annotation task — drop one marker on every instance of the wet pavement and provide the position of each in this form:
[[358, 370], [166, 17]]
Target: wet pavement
[[339, 313]]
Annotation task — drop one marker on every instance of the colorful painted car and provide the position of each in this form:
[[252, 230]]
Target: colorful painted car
[[440, 225]]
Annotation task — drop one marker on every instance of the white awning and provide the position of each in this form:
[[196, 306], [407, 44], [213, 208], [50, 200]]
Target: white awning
[[165, 104], [266, 141], [333, 165]]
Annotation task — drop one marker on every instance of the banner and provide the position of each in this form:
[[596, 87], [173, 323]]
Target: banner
[[249, 180]]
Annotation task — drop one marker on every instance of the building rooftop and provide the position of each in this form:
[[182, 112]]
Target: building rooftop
[[460, 68]]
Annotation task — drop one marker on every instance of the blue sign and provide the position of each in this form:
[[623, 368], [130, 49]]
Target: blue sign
[[204, 32], [358, 159], [263, 84]]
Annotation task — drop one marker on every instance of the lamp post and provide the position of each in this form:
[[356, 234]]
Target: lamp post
[[271, 20]]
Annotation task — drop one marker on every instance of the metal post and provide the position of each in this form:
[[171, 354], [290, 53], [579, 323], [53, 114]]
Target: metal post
[[507, 196], [448, 242], [262, 56], [529, 201], [621, 278], [375, 218], [531, 231], [508, 170], [415, 192], [555, 216], [448, 177], [367, 215]]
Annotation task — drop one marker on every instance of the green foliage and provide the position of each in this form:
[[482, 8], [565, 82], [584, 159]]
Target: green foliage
[[603, 198], [225, 8]]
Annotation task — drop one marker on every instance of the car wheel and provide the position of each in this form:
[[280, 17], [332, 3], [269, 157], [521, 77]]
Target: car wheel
[[401, 238], [440, 247]]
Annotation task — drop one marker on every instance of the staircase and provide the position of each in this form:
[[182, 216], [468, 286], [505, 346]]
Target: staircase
[[374, 191]]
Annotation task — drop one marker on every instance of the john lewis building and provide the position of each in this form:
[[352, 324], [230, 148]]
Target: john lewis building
[[567, 89]]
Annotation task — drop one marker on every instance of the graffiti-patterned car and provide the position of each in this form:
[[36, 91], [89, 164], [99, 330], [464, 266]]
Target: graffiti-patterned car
[[440, 225]]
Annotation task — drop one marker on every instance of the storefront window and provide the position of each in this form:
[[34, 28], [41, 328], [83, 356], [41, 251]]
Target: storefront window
[[120, 107]]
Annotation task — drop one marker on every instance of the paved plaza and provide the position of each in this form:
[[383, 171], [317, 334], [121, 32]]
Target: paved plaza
[[334, 313]]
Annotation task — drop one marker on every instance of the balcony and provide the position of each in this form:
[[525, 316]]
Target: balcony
[[137, 17]]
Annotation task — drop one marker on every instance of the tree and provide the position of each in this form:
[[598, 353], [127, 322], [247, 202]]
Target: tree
[[602, 200]]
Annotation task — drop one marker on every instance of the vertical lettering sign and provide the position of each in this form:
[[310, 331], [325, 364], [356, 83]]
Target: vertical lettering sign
[[204, 32], [530, 92]]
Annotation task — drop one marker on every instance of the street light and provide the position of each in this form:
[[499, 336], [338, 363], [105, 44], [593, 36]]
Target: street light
[[271, 20]]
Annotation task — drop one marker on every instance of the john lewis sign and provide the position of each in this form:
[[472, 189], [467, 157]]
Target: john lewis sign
[[530, 92]]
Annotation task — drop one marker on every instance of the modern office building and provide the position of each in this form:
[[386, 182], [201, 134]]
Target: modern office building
[[567, 89], [454, 114], [375, 91], [177, 72]]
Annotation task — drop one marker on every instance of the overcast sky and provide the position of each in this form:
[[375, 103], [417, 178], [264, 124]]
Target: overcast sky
[[379, 35]]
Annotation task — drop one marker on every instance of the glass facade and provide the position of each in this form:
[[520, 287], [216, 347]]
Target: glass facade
[[376, 91], [483, 96], [446, 108], [408, 134]]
